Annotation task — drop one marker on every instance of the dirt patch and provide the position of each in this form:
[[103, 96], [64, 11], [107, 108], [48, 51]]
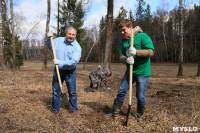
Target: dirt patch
[[25, 97]]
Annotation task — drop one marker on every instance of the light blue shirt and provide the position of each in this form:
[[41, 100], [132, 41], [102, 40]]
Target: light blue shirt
[[68, 54]]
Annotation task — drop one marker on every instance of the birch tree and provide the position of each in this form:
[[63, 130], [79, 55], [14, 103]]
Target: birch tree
[[92, 35], [180, 69], [162, 15]]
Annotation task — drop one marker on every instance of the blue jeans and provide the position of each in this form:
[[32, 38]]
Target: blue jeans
[[141, 85], [70, 78]]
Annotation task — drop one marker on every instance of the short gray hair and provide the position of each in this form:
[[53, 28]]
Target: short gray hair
[[70, 28]]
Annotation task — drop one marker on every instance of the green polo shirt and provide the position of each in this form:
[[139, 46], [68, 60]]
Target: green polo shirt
[[141, 67]]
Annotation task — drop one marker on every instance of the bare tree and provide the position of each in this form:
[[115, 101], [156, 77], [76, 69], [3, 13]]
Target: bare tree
[[31, 30], [19, 22], [1, 39], [92, 35], [58, 34], [180, 70], [162, 15], [108, 48], [163, 18], [88, 56], [25, 43], [47, 30], [13, 34]]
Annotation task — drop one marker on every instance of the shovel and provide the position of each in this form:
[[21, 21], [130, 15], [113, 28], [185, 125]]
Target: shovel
[[63, 95], [130, 82]]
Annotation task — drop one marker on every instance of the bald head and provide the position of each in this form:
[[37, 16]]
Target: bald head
[[70, 34]]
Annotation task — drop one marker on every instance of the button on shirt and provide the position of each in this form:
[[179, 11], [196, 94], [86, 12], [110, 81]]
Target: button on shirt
[[68, 54]]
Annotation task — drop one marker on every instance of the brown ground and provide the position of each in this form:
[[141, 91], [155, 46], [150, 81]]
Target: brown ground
[[25, 101]]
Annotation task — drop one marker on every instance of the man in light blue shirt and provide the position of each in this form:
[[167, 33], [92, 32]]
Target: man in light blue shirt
[[68, 54]]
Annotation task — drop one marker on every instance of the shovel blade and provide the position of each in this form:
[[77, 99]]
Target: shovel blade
[[65, 100], [127, 116]]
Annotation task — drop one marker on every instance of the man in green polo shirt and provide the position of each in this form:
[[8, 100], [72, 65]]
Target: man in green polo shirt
[[142, 51]]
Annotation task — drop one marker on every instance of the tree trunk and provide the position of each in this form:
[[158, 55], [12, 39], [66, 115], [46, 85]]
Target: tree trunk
[[58, 19], [198, 71], [180, 70], [13, 34], [108, 48], [69, 12], [1, 39], [88, 56], [163, 25], [47, 30]]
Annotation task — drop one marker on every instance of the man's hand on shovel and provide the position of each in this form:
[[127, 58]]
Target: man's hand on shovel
[[56, 61]]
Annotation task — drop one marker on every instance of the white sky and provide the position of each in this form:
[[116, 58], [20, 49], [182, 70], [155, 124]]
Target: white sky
[[34, 11]]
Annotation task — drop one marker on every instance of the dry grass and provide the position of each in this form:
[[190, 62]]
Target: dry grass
[[25, 97]]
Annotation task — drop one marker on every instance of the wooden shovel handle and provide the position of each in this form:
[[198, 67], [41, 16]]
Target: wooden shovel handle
[[131, 70], [57, 69], [130, 82]]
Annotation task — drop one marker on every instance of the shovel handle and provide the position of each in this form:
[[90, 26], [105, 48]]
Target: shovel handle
[[130, 82], [57, 69], [131, 70]]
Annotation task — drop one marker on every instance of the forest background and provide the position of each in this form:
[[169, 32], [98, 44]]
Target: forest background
[[163, 27]]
